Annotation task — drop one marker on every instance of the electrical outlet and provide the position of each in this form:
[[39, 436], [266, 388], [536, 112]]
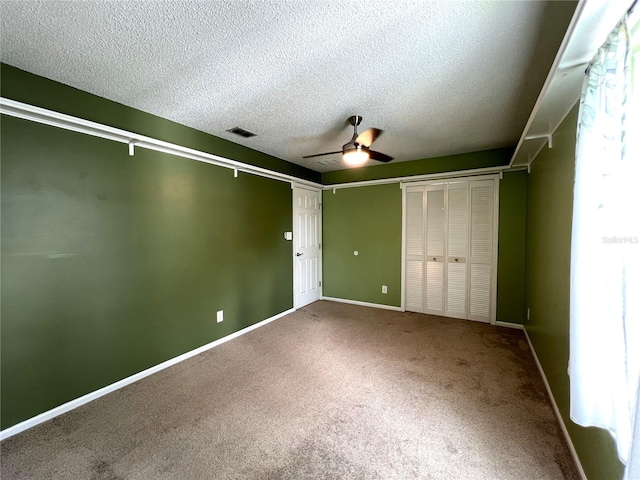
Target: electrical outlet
[[384, 289], [220, 316], [528, 313]]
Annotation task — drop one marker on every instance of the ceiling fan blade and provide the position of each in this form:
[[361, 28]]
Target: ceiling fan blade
[[367, 137], [321, 154], [381, 157]]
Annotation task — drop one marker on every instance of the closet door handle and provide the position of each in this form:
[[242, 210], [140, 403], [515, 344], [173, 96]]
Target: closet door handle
[[456, 259], [299, 255]]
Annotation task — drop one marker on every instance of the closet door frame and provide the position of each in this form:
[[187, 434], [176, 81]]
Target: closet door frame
[[496, 211]]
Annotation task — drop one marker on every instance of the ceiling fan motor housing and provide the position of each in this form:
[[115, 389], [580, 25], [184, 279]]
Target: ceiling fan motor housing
[[355, 120]]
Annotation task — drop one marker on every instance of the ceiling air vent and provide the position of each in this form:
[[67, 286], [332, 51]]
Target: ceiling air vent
[[242, 132], [327, 163]]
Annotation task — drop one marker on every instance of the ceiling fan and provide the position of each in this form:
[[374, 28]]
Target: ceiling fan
[[356, 151]]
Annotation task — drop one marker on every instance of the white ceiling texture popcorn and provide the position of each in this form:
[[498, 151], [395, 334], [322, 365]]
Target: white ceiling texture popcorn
[[439, 77]]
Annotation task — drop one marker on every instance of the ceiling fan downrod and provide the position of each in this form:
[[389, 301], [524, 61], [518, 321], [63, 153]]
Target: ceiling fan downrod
[[354, 120]]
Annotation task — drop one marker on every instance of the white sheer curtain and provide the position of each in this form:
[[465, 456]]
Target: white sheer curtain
[[604, 364]]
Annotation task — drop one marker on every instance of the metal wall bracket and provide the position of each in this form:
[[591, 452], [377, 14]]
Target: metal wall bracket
[[548, 136]]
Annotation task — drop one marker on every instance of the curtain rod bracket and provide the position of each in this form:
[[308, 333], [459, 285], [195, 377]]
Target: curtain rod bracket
[[131, 147]]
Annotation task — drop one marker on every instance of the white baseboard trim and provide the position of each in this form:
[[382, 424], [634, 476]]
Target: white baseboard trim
[[363, 304], [572, 449], [517, 326], [65, 407]]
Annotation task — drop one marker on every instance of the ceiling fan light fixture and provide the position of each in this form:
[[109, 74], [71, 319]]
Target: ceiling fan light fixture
[[356, 152], [355, 156]]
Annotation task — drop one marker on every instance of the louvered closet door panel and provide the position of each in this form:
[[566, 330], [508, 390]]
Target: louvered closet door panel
[[414, 268], [482, 248], [415, 223], [480, 292], [457, 247], [434, 297], [482, 219], [457, 290], [435, 249], [413, 286], [457, 230], [435, 222]]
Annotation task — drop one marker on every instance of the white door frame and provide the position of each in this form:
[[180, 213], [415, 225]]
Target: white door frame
[[293, 244], [494, 267]]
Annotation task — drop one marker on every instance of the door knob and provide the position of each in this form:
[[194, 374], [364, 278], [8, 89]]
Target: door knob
[[298, 254]]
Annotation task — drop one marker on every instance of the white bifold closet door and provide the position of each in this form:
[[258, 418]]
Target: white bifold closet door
[[481, 255], [457, 248], [435, 250], [414, 250], [450, 249]]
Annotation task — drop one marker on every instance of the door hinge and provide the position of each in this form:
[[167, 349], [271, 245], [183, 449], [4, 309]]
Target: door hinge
[[320, 283], [319, 246]]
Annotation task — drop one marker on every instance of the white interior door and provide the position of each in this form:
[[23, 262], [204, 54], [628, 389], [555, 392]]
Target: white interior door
[[306, 246]]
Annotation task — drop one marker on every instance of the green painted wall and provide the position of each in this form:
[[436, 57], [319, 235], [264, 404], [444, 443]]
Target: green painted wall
[[466, 161], [549, 216], [112, 264], [39, 91], [369, 220], [511, 247]]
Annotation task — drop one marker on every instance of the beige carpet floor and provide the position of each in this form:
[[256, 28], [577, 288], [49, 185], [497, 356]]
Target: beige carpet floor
[[331, 391]]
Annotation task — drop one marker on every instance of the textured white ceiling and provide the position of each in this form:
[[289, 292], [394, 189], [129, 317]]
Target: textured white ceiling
[[440, 77]]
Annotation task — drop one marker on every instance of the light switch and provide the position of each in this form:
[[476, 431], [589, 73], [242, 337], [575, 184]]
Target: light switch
[[288, 235]]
